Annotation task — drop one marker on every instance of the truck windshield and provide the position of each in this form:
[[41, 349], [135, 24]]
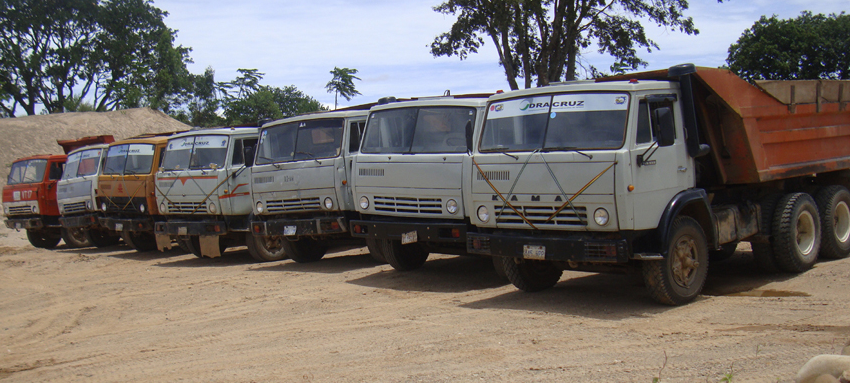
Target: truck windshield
[[27, 172], [557, 122], [83, 163], [129, 159], [418, 130], [301, 140], [196, 152]]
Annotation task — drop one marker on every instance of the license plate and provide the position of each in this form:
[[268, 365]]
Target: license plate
[[183, 230], [18, 225], [289, 230], [410, 237], [534, 252], [119, 227]]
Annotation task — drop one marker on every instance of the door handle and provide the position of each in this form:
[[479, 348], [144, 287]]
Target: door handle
[[682, 169]]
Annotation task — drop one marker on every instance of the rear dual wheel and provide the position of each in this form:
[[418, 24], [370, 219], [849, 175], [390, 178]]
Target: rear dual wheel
[[796, 233], [834, 209]]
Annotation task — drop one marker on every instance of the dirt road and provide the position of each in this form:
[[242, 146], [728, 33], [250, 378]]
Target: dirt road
[[115, 315]]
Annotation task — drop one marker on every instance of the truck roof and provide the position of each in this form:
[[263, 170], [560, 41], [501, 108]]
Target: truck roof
[[320, 115], [230, 131], [60, 157], [434, 101], [96, 146], [587, 85], [70, 145], [144, 139]]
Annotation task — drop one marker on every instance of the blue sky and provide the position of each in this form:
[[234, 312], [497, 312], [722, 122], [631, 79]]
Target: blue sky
[[299, 42]]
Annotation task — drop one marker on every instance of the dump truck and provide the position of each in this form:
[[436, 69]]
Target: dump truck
[[126, 189], [660, 173], [408, 179], [203, 189], [301, 185], [76, 192]]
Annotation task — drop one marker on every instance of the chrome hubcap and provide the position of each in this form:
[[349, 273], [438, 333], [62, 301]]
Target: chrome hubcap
[[685, 261]]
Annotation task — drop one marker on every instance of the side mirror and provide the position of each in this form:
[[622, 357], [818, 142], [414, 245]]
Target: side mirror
[[248, 153], [662, 121]]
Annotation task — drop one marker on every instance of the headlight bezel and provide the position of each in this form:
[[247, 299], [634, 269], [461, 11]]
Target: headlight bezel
[[103, 206], [328, 203], [141, 208], [483, 211], [162, 207], [212, 208], [35, 209], [452, 206], [259, 207], [601, 216], [364, 202]]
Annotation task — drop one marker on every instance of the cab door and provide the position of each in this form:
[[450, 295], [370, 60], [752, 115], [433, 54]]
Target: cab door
[[659, 170], [237, 199]]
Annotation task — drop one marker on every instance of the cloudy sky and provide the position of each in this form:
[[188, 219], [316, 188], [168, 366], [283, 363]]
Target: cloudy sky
[[299, 42]]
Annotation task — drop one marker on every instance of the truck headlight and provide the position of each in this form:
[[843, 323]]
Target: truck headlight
[[162, 207], [212, 208], [364, 202], [483, 214], [35, 209], [601, 216], [142, 207], [260, 207], [61, 208], [103, 206], [451, 206], [329, 203], [88, 205]]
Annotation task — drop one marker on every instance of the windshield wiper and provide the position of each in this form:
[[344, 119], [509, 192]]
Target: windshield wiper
[[567, 148], [271, 161], [501, 150], [309, 154]]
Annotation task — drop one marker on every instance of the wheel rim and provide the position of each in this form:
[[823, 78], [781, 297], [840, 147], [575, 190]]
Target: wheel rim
[[805, 233], [841, 222], [78, 235], [271, 244], [685, 261]]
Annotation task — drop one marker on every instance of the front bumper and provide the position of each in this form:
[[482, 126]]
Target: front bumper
[[445, 232], [82, 220], [181, 228], [575, 248], [25, 223], [300, 227], [143, 224]]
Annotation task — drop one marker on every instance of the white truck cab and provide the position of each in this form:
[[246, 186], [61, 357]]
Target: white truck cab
[[409, 178], [76, 195], [203, 188], [301, 185]]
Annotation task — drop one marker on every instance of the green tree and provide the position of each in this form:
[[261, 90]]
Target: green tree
[[116, 53], [342, 84], [199, 106], [245, 101], [807, 47], [543, 39]]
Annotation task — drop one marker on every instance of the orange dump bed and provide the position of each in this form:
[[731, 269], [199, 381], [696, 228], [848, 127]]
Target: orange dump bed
[[777, 130]]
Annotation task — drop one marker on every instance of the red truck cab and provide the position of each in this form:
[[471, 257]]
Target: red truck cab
[[29, 198]]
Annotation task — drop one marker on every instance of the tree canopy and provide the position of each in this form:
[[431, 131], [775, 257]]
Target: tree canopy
[[117, 53], [245, 101], [807, 47], [543, 40], [342, 83]]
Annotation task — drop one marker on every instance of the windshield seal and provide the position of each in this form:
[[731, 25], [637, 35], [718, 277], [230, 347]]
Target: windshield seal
[[128, 159], [556, 122], [196, 152], [301, 140], [419, 130], [27, 172]]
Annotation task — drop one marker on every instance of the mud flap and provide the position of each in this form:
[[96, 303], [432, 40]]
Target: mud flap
[[210, 246], [163, 242]]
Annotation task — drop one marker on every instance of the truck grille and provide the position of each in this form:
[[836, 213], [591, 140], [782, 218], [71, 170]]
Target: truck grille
[[539, 214], [292, 205], [76, 207], [186, 208], [409, 205], [20, 210], [123, 204]]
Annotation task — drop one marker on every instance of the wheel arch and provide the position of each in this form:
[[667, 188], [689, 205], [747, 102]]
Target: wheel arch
[[692, 203]]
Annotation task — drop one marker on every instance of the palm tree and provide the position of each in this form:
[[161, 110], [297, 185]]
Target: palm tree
[[342, 83]]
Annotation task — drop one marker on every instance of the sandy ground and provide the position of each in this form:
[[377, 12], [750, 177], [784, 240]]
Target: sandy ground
[[115, 315]]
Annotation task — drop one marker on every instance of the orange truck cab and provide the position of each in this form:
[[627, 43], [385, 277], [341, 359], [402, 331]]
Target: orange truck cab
[[29, 197], [125, 189]]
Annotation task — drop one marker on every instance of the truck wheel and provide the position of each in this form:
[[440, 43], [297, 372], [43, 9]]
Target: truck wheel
[[678, 278], [194, 245], [44, 239], [304, 250], [141, 241], [375, 250], [75, 237], [726, 251], [763, 252], [184, 245], [796, 233], [834, 208], [403, 257], [265, 249], [102, 238], [531, 275]]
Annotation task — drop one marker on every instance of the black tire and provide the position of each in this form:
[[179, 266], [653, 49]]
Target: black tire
[[531, 275], [499, 266], [44, 239], [726, 251], [194, 245], [184, 245], [375, 250], [679, 277], [763, 256], [265, 249], [796, 233], [403, 257], [75, 237], [102, 238], [834, 208], [304, 250], [141, 241]]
